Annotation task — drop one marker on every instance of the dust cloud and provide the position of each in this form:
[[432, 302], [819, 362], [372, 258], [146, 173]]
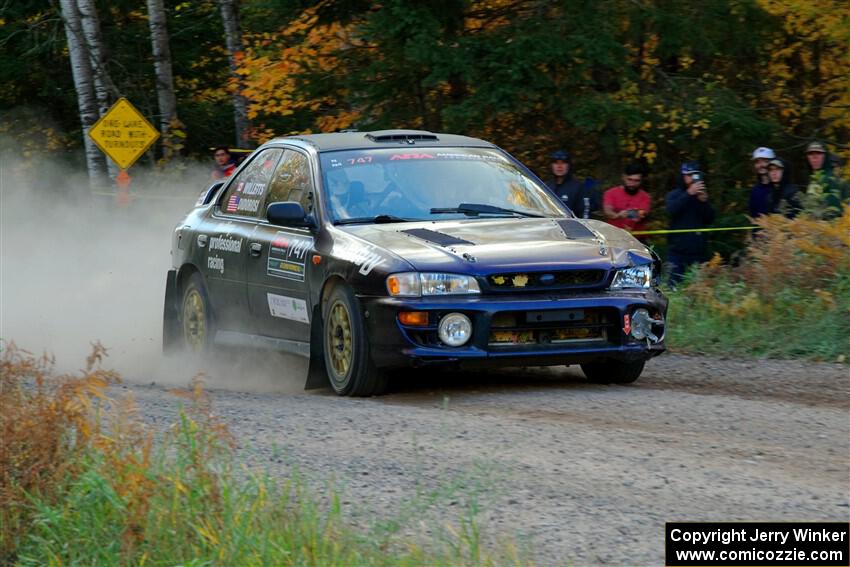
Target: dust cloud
[[76, 268]]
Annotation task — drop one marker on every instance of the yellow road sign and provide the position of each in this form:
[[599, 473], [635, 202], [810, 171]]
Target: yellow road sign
[[123, 133]]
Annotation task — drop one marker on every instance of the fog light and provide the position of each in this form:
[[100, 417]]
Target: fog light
[[414, 318], [455, 329], [641, 324]]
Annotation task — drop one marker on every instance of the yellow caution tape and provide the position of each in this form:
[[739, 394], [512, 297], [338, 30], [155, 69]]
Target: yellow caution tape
[[679, 231]]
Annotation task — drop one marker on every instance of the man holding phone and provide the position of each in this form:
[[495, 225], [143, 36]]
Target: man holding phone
[[626, 206], [688, 208]]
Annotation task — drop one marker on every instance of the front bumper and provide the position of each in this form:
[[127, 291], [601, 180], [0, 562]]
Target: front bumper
[[396, 345]]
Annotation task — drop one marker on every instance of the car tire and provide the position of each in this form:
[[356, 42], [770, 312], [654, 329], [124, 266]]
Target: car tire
[[613, 371], [346, 347], [197, 326]]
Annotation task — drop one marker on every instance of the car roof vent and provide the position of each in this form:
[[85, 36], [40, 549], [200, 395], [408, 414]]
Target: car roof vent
[[402, 137]]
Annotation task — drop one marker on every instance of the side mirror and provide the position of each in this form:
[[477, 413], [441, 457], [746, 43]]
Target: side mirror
[[206, 196], [288, 213]]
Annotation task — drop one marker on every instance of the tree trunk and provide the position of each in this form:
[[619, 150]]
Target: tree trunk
[[164, 79], [104, 89], [84, 85], [233, 37]]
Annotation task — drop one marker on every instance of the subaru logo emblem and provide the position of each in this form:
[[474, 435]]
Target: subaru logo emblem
[[547, 279]]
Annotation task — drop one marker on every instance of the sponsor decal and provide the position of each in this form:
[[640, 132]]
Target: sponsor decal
[[471, 157], [226, 244], [288, 256], [365, 256], [254, 188], [288, 308], [240, 186], [232, 203], [248, 205], [215, 263], [410, 156]]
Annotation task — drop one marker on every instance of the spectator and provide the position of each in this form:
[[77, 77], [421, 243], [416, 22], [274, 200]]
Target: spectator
[[627, 205], [579, 197], [784, 197], [761, 157], [225, 165], [759, 191], [688, 208], [825, 194], [778, 195]]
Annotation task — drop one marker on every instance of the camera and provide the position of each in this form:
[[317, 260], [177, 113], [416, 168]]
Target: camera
[[697, 176], [632, 214]]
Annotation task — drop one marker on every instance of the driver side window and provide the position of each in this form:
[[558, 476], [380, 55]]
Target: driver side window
[[292, 181], [246, 191]]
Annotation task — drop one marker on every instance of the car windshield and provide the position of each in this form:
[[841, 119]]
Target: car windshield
[[406, 184]]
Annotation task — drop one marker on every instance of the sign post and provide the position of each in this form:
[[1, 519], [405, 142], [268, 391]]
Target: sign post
[[123, 134]]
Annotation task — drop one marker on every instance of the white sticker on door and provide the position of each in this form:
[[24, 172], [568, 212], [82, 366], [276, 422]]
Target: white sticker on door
[[288, 308]]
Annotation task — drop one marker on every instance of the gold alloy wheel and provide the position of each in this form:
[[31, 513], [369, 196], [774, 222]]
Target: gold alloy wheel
[[194, 320], [339, 339]]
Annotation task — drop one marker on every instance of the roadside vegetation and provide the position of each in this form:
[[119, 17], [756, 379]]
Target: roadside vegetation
[[83, 482], [786, 296]]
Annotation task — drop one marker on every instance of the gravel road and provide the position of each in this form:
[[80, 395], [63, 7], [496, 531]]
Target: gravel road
[[579, 474]]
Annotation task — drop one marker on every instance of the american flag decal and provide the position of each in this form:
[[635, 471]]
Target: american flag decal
[[233, 203]]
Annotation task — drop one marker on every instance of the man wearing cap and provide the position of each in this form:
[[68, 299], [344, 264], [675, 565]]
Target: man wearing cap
[[688, 208], [825, 194], [761, 156], [761, 188], [579, 196]]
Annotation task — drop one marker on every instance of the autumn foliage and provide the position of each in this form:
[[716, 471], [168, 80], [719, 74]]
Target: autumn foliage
[[787, 295], [46, 422], [634, 80], [82, 482]]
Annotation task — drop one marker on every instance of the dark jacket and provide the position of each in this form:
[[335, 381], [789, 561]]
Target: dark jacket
[[574, 192], [687, 211], [760, 200], [772, 198]]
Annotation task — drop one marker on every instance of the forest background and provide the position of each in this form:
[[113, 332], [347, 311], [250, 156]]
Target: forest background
[[610, 80]]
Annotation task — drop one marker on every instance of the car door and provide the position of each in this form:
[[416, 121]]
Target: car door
[[225, 238], [278, 274]]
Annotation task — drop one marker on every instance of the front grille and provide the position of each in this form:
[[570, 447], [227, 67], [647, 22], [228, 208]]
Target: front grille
[[537, 281], [554, 327]]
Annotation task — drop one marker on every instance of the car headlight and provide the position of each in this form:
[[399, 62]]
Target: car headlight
[[416, 284], [635, 277]]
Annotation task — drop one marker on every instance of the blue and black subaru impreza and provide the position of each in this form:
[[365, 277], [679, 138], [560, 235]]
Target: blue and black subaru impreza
[[372, 251]]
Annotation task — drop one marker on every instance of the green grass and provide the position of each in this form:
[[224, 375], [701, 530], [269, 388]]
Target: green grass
[[792, 323], [188, 505]]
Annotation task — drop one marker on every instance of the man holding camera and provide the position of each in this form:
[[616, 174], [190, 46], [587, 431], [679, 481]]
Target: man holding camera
[[688, 208], [627, 206]]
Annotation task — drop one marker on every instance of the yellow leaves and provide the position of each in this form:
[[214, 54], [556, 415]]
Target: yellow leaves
[[814, 37]]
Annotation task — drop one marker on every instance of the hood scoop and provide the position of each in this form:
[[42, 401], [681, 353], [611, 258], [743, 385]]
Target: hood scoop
[[574, 230], [435, 237]]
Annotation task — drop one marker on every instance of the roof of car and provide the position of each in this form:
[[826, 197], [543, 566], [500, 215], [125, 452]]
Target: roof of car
[[386, 139]]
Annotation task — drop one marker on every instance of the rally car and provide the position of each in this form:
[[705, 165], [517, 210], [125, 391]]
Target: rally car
[[368, 251]]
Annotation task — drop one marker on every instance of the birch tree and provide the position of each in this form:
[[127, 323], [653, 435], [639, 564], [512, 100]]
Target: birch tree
[[104, 89], [84, 85], [233, 38], [164, 78]]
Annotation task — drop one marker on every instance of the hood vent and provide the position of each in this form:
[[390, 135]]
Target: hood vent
[[575, 230], [410, 138], [436, 237]]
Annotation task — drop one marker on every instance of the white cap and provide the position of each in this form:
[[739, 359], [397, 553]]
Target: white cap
[[765, 153]]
